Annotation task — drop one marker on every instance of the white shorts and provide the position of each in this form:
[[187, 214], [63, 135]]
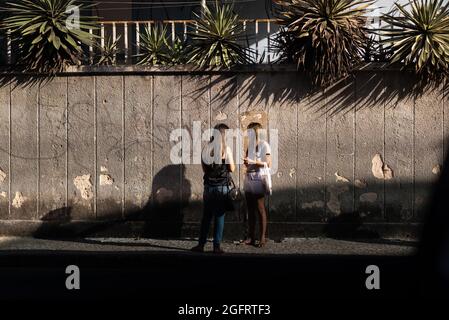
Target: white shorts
[[254, 184]]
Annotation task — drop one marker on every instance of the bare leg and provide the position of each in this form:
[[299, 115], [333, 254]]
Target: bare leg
[[262, 220], [252, 207]]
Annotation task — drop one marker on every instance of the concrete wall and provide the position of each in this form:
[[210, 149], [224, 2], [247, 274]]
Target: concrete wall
[[87, 150]]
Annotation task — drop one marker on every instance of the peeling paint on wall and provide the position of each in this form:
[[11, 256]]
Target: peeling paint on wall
[[2, 176], [292, 172], [380, 169], [340, 178], [19, 200], [84, 185], [3, 194], [334, 203], [253, 116], [361, 184], [368, 197], [311, 205], [436, 170], [105, 178], [221, 116]]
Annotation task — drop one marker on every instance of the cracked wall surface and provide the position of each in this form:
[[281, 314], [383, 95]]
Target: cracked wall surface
[[100, 145]]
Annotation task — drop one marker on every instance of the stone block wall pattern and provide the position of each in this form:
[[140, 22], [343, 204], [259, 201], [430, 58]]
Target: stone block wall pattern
[[86, 149]]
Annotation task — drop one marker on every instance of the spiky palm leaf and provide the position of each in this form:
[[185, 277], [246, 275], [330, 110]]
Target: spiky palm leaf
[[154, 46], [108, 54], [216, 38], [418, 35], [44, 41], [325, 37]]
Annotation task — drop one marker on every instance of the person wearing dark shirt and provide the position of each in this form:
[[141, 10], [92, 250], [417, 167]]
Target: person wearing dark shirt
[[216, 188]]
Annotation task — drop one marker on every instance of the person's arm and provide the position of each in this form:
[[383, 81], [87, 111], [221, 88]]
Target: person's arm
[[230, 160], [203, 165], [259, 163], [267, 151]]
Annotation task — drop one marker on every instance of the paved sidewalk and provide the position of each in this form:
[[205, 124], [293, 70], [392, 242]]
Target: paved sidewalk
[[293, 246]]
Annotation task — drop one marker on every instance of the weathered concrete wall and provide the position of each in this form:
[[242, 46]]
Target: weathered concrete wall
[[97, 148]]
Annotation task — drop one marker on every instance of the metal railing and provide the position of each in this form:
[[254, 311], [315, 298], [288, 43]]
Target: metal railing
[[260, 34]]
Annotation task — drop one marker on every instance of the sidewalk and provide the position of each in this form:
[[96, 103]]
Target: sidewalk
[[291, 246], [137, 269]]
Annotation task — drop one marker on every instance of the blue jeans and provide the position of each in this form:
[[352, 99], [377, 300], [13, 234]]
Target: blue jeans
[[214, 199]]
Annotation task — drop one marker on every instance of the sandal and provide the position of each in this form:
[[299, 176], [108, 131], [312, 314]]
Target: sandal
[[262, 244], [249, 242]]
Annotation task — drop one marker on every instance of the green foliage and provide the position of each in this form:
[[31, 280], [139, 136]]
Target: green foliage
[[326, 38], [154, 46], [216, 41], [157, 49], [108, 54], [40, 32], [418, 35], [178, 52], [375, 51], [285, 46]]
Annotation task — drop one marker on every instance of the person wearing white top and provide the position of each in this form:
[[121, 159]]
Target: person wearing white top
[[258, 156]]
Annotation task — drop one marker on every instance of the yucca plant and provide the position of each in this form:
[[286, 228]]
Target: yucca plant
[[45, 41], [285, 46], [375, 51], [326, 38], [418, 35], [216, 38], [108, 54], [154, 46], [178, 52]]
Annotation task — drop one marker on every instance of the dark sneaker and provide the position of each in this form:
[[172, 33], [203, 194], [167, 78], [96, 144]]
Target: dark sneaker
[[218, 250]]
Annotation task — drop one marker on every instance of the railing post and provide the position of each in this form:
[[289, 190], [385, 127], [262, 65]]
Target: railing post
[[91, 47], [125, 27], [102, 36], [185, 31], [114, 36], [138, 37], [268, 55], [173, 32], [257, 41]]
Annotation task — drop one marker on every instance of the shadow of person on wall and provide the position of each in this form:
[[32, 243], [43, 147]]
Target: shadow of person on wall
[[163, 213], [53, 223], [348, 225], [162, 216]]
